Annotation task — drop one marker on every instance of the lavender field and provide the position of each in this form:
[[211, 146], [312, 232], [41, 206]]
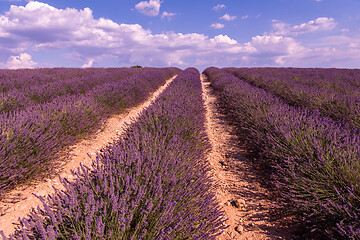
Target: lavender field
[[332, 92], [44, 111], [313, 151], [154, 182], [150, 184]]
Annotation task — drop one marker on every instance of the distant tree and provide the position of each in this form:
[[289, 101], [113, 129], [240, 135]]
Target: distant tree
[[137, 66]]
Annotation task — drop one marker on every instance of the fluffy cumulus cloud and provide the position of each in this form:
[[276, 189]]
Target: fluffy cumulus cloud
[[227, 17], [223, 39], [276, 48], [217, 25], [150, 8], [39, 26], [89, 64], [21, 61], [275, 45], [88, 41], [319, 24]]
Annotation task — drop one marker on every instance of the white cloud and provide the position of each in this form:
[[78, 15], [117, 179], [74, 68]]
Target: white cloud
[[89, 64], [218, 7], [275, 45], [217, 25], [150, 8], [319, 24], [318, 0], [167, 15], [223, 39], [21, 61], [245, 17], [273, 50], [227, 17], [39, 26], [334, 51]]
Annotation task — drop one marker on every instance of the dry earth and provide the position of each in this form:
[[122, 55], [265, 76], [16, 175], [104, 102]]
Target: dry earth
[[20, 201], [247, 204]]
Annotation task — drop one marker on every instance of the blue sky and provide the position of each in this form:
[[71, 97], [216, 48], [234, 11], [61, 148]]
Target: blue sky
[[201, 33]]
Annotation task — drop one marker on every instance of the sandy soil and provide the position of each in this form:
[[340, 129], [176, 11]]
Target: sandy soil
[[247, 204], [20, 202]]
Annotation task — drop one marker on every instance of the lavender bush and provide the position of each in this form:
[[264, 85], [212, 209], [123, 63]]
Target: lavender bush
[[315, 160], [31, 139], [333, 92], [152, 183]]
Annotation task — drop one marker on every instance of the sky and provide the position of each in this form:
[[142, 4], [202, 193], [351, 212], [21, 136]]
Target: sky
[[187, 33]]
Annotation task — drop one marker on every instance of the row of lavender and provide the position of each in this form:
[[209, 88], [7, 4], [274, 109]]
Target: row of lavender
[[22, 78], [315, 161], [152, 183], [333, 92], [20, 89], [32, 139]]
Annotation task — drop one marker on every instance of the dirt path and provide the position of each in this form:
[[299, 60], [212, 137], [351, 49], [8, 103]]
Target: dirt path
[[83, 152], [245, 202]]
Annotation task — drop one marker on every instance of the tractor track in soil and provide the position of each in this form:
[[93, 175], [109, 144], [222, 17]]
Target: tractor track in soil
[[247, 203]]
